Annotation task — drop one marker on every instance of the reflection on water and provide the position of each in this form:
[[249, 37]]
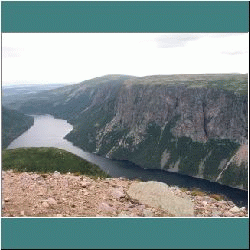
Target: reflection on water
[[49, 132]]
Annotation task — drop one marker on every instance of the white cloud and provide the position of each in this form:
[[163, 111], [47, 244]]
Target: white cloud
[[67, 57]]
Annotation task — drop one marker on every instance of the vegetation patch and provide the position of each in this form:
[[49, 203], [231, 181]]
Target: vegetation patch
[[48, 160], [198, 192], [190, 153], [217, 197], [84, 133], [221, 149], [89, 122], [236, 175], [13, 125]]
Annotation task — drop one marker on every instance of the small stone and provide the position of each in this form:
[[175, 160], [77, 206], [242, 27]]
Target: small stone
[[216, 214], [118, 193], [207, 199], [85, 184], [45, 204], [243, 209], [228, 214], [22, 213], [235, 209], [7, 199], [51, 201], [134, 215], [230, 203], [241, 214], [199, 207], [56, 174], [148, 213], [141, 207], [198, 198], [204, 203], [106, 207], [59, 215], [123, 214], [131, 205]]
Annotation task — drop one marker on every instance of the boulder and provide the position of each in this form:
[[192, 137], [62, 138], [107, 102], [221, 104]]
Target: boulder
[[158, 195]]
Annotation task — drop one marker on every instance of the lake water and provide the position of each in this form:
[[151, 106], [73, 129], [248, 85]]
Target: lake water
[[50, 132]]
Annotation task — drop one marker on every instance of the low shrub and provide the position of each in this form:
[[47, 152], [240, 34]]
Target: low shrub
[[217, 197], [197, 192]]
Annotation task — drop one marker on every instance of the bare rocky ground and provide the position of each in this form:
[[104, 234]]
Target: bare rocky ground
[[67, 195]]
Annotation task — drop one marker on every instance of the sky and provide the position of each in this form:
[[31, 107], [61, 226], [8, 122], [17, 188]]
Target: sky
[[41, 58]]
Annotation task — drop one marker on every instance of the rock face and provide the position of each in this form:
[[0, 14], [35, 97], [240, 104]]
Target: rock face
[[158, 195], [191, 124]]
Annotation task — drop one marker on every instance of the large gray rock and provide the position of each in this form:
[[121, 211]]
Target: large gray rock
[[158, 195]]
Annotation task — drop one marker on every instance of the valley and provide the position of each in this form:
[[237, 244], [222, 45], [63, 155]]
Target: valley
[[195, 125]]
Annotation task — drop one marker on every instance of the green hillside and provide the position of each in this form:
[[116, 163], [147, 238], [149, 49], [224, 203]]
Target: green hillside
[[48, 160], [13, 125]]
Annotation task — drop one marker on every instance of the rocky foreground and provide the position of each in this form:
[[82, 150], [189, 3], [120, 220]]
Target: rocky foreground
[[71, 195]]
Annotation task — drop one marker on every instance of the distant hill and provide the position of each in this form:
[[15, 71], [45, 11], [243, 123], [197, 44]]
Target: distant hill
[[14, 124], [22, 91]]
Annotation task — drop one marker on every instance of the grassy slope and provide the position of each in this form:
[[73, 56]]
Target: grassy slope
[[48, 160], [237, 83]]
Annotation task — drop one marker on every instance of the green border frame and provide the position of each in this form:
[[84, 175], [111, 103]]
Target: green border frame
[[124, 233], [125, 16]]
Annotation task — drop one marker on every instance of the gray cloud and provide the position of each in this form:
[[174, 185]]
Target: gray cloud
[[234, 53], [11, 52], [222, 35], [176, 40]]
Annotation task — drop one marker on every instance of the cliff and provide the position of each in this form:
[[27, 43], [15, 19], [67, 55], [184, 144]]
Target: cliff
[[191, 124]]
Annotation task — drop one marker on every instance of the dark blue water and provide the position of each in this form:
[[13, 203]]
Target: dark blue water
[[49, 132]]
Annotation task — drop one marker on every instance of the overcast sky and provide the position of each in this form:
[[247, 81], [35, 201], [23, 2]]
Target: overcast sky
[[71, 58]]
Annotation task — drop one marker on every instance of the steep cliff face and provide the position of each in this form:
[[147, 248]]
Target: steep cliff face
[[191, 124], [193, 131]]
